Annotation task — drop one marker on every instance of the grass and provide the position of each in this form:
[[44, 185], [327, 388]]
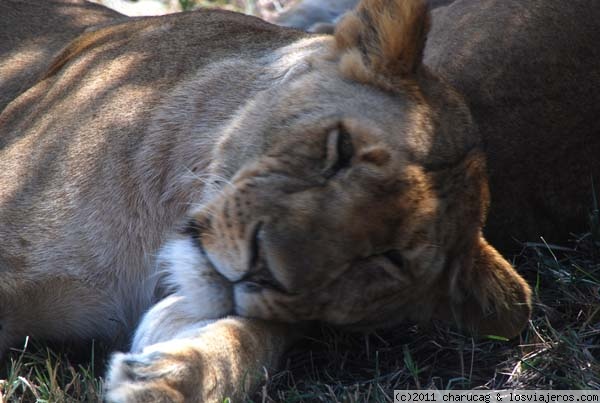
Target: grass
[[37, 374], [560, 349]]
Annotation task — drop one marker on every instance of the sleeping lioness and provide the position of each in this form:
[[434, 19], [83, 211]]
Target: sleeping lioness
[[236, 180]]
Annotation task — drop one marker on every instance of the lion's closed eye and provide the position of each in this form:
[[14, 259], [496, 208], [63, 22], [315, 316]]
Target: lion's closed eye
[[397, 267], [339, 152]]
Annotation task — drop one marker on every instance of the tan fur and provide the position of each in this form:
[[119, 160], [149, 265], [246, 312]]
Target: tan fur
[[390, 35], [382, 42], [84, 42], [179, 173]]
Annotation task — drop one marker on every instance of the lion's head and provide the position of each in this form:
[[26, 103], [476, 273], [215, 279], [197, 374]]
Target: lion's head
[[356, 192]]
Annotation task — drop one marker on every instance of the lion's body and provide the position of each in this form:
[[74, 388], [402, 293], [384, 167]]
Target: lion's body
[[46, 220], [80, 284], [243, 127]]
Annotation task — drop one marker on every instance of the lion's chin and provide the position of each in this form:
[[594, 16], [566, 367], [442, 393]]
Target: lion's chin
[[190, 274]]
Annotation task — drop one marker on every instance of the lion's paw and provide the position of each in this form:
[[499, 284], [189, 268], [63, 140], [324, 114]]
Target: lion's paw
[[159, 376]]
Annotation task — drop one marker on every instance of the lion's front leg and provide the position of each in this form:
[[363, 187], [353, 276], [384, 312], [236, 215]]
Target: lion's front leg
[[195, 362]]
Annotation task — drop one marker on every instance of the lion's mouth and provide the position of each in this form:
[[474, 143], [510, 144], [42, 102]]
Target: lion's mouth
[[259, 274]]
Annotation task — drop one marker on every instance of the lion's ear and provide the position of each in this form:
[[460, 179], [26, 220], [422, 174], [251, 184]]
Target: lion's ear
[[383, 37], [491, 298]]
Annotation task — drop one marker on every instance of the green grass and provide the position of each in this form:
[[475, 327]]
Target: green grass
[[41, 374]]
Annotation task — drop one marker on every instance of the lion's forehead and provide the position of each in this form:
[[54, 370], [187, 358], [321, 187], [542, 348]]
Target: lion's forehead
[[303, 117]]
